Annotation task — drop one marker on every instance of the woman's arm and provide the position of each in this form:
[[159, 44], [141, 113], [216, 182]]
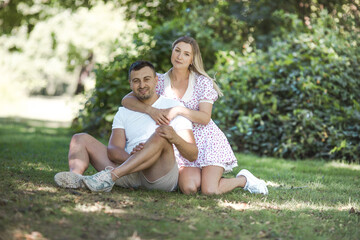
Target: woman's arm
[[202, 116], [132, 103]]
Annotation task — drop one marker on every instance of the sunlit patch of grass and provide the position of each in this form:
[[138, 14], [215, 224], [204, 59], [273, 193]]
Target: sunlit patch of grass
[[337, 164]]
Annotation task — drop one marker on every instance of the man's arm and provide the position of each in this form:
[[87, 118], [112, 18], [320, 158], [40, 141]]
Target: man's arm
[[183, 140], [116, 147], [132, 103]]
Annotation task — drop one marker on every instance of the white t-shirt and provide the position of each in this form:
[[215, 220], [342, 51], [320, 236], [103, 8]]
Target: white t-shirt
[[139, 126]]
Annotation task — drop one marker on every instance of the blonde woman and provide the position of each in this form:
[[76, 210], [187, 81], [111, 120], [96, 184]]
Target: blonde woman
[[188, 83]]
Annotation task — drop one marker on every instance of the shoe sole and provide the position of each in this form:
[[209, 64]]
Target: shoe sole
[[68, 180]]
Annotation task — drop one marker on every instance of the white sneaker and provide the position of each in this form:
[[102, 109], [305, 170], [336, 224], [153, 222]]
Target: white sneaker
[[69, 180], [253, 184], [101, 181]]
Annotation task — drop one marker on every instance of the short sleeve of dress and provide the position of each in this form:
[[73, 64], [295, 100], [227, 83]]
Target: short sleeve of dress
[[160, 86], [118, 121], [207, 92]]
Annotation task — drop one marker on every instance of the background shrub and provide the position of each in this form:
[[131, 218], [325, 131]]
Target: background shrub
[[111, 86], [297, 99]]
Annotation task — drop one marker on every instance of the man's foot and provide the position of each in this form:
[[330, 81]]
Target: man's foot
[[101, 181], [69, 180], [253, 184]]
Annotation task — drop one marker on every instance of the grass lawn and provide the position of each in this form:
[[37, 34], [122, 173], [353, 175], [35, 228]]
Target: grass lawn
[[307, 199]]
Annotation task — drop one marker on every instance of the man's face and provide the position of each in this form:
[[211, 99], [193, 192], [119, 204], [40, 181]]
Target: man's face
[[143, 83]]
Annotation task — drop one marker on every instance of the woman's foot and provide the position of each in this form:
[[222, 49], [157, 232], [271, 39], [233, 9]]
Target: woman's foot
[[253, 184]]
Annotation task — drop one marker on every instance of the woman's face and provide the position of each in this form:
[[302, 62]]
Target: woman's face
[[182, 55]]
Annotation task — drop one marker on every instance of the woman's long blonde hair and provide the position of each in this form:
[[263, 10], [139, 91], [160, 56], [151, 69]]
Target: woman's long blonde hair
[[197, 63]]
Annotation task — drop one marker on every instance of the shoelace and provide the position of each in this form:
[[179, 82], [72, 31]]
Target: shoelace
[[101, 176]]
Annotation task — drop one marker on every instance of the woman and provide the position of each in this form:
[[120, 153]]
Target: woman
[[188, 82]]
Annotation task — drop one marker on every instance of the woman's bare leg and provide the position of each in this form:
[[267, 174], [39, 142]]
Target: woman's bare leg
[[212, 183], [189, 179]]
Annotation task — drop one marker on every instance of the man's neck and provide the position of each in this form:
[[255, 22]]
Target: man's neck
[[151, 100]]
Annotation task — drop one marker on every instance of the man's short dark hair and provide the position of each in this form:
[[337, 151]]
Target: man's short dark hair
[[136, 66]]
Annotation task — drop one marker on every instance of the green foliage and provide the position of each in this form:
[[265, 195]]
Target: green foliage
[[15, 13], [111, 86], [298, 99], [49, 59]]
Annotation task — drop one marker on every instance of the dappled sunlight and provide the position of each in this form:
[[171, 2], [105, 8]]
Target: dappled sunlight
[[292, 205], [47, 189], [239, 206], [272, 184], [334, 164], [38, 166], [20, 234], [98, 207], [287, 186]]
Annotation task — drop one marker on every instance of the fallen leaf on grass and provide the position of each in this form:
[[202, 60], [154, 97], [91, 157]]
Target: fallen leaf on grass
[[192, 227], [134, 237], [33, 236], [352, 211], [262, 234]]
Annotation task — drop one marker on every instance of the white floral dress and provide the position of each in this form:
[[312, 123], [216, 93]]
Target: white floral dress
[[214, 148]]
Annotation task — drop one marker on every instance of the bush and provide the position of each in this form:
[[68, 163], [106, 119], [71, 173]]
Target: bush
[[298, 99], [111, 86]]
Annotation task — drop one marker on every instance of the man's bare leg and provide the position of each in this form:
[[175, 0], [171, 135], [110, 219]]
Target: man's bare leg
[[155, 160], [84, 150]]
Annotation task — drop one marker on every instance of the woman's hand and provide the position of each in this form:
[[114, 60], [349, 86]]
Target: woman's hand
[[159, 116], [137, 148], [171, 113]]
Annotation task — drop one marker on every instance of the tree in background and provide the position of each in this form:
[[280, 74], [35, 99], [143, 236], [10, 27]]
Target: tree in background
[[48, 59]]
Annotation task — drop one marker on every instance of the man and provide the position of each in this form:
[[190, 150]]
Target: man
[[139, 153]]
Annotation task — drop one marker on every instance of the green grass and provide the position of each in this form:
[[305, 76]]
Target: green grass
[[307, 199]]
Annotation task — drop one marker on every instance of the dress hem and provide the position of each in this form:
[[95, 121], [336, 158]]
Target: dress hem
[[226, 169]]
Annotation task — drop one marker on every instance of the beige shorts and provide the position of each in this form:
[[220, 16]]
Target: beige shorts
[[136, 180]]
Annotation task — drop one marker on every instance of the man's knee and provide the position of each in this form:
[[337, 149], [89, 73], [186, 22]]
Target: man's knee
[[79, 138], [157, 139]]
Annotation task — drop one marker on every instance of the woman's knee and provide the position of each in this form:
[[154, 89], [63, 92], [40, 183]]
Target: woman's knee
[[209, 190], [189, 189]]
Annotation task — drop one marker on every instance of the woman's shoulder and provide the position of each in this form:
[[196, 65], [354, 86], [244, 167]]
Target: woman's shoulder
[[160, 75], [201, 79]]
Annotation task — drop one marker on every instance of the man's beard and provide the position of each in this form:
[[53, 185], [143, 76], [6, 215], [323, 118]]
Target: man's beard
[[143, 97]]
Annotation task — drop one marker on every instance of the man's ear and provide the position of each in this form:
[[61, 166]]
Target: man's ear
[[156, 78]]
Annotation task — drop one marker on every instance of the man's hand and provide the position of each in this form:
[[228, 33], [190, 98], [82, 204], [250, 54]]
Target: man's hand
[[167, 132], [159, 116], [137, 148]]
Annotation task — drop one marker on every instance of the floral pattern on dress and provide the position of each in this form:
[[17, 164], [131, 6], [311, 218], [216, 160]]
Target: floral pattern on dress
[[214, 148]]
